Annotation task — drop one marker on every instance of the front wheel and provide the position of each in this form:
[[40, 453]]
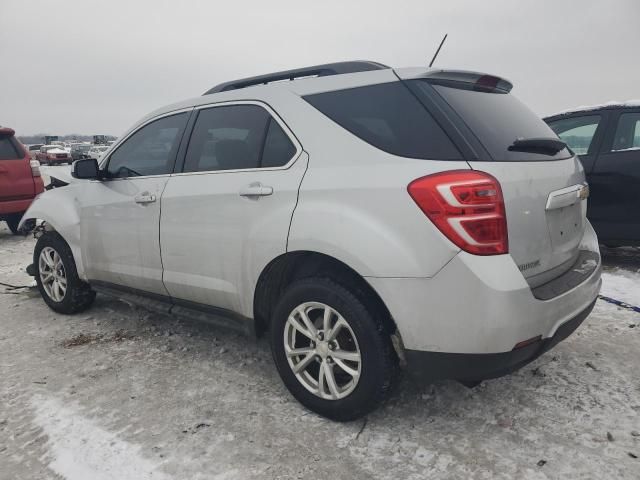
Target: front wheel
[[57, 277], [330, 350]]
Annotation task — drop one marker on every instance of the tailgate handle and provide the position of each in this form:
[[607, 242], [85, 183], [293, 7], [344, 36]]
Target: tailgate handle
[[567, 196]]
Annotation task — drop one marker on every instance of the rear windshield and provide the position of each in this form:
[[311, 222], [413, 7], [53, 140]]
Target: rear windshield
[[388, 117], [8, 150], [497, 119]]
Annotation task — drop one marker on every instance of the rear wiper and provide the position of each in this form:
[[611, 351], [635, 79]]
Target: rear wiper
[[547, 146]]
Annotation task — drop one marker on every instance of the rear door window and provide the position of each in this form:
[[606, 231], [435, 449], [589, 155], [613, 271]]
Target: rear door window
[[7, 149], [577, 132], [278, 148], [627, 136], [388, 117], [497, 119], [237, 137]]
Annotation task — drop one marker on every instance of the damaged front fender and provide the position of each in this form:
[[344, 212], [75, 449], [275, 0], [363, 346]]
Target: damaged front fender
[[59, 209]]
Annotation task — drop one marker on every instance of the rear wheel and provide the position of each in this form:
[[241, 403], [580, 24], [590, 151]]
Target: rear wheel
[[57, 277], [13, 220], [331, 352]]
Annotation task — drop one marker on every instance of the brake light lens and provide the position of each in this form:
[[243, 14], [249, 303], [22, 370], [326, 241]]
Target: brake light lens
[[35, 168], [467, 207]]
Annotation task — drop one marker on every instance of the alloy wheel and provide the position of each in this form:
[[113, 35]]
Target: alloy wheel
[[52, 274], [322, 350]]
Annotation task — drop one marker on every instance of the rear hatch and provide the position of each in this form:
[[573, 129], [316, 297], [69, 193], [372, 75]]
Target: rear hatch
[[543, 183], [16, 181]]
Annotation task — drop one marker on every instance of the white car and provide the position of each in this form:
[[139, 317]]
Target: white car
[[367, 218], [96, 151]]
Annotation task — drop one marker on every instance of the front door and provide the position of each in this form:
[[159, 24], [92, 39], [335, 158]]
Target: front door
[[228, 214], [120, 215]]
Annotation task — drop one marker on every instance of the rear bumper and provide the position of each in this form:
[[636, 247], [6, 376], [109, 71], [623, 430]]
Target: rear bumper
[[430, 366], [483, 304]]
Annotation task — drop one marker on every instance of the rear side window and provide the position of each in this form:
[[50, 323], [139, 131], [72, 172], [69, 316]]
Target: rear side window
[[627, 136], [496, 119], [577, 132], [8, 150], [388, 117]]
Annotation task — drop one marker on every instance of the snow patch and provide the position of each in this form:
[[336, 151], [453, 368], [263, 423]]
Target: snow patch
[[622, 285], [585, 108], [80, 449]]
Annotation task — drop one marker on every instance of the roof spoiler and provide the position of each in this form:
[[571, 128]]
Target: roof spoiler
[[7, 131], [477, 80], [314, 71]]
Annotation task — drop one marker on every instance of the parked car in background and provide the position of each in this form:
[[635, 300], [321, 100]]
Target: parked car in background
[[364, 216], [607, 139], [33, 150], [20, 179], [53, 155], [80, 150], [96, 151]]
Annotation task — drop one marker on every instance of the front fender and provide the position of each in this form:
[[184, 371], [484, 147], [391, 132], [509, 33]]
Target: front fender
[[58, 208]]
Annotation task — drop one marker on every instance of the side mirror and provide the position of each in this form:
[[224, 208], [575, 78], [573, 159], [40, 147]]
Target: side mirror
[[86, 169]]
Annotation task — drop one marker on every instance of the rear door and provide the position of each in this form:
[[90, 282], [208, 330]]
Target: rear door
[[120, 215], [615, 180], [16, 181], [546, 215], [228, 213]]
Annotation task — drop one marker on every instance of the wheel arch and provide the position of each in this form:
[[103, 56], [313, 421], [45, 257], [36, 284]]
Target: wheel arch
[[57, 209], [291, 266]]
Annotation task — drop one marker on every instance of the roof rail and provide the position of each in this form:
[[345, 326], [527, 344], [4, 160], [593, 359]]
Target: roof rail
[[314, 71]]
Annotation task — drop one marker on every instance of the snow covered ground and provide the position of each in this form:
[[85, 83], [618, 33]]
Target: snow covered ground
[[119, 393]]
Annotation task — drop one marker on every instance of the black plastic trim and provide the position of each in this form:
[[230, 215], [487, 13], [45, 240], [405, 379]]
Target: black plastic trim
[[167, 305], [584, 266]]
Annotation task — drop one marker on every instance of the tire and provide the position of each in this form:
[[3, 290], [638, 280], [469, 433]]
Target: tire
[[13, 220], [365, 336], [77, 296]]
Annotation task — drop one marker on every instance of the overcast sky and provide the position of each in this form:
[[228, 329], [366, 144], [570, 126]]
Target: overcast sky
[[85, 66]]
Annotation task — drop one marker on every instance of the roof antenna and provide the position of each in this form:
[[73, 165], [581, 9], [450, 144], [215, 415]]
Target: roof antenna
[[438, 51]]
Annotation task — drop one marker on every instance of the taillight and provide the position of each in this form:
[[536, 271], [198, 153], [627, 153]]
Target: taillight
[[35, 168], [467, 207]]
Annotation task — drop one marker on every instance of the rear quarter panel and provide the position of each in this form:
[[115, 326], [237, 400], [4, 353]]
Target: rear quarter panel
[[354, 205]]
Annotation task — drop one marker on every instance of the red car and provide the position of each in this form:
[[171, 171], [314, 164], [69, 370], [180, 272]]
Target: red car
[[53, 154], [20, 179]]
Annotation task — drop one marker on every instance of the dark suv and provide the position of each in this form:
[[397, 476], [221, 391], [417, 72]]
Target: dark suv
[[607, 139]]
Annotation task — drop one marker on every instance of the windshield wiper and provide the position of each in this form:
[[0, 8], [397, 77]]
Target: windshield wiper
[[547, 146]]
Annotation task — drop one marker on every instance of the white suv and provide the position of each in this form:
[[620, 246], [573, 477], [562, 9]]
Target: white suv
[[366, 217]]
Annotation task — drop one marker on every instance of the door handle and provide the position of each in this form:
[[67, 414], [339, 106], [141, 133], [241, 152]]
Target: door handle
[[256, 190], [145, 197]]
